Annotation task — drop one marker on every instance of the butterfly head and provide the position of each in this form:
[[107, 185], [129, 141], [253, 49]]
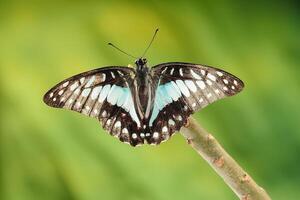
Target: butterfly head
[[141, 63]]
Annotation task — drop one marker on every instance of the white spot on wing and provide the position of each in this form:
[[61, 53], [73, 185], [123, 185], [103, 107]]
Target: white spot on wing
[[211, 77], [185, 108], [66, 84], [202, 72], [219, 73], [96, 92], [201, 84], [155, 135], [134, 135], [172, 70], [225, 81], [73, 86], [104, 92], [179, 117], [208, 82], [235, 82], [51, 94], [164, 129], [119, 73], [86, 92], [125, 130], [195, 75], [90, 82], [180, 72], [61, 92], [190, 84], [171, 122], [77, 91], [183, 88], [82, 80], [112, 75], [117, 124]]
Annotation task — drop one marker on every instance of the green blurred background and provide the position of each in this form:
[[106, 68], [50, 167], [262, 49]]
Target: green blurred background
[[56, 154]]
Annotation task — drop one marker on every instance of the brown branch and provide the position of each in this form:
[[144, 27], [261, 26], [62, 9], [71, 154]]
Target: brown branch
[[233, 175]]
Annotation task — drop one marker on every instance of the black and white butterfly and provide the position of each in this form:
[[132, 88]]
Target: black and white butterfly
[[141, 105]]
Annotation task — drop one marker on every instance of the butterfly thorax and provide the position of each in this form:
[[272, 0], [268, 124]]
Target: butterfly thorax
[[144, 95]]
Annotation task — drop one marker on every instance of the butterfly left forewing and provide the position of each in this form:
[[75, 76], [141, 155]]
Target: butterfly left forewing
[[184, 88], [83, 89], [104, 94]]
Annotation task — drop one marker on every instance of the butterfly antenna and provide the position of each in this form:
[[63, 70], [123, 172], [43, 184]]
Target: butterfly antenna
[[121, 50], [150, 42]]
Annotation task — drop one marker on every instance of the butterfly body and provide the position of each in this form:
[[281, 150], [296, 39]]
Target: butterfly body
[[144, 92], [143, 105]]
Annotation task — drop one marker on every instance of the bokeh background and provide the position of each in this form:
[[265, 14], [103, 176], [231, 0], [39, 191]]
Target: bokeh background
[[56, 154]]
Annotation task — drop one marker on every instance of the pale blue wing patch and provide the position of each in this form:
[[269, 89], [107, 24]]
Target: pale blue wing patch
[[122, 97], [90, 102], [165, 94], [114, 94], [104, 92]]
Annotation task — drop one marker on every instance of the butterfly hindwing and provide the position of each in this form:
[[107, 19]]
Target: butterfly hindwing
[[183, 89], [104, 94]]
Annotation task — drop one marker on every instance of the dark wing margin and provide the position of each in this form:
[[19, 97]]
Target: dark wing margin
[[184, 88], [72, 87], [103, 93], [211, 76]]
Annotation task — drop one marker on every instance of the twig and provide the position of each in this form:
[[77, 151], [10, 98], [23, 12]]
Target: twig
[[233, 175]]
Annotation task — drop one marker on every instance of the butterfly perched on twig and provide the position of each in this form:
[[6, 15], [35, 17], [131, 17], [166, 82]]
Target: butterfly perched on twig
[[143, 105]]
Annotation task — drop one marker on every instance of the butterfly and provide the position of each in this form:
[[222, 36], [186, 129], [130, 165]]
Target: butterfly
[[143, 105]]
